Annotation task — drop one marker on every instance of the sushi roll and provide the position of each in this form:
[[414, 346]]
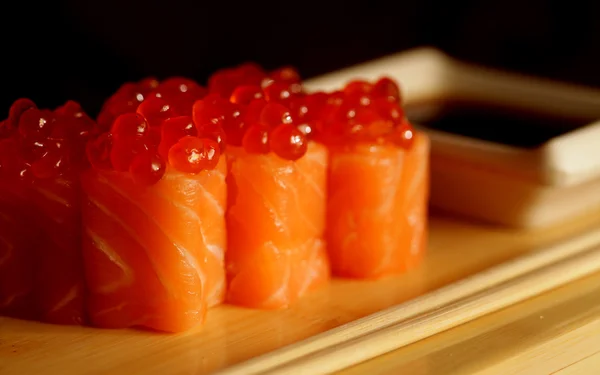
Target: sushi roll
[[154, 213], [378, 182], [18, 234], [276, 187], [45, 249]]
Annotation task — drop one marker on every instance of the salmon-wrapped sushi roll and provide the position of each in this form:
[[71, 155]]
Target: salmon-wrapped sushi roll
[[50, 152], [154, 219], [277, 188], [18, 236], [378, 183]]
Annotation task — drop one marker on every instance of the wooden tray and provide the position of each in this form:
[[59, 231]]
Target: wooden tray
[[458, 249]]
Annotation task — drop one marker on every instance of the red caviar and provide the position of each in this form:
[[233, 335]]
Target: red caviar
[[43, 143], [193, 155], [173, 130], [146, 123], [250, 103], [361, 112], [147, 168], [246, 106], [256, 139], [155, 100], [288, 142]]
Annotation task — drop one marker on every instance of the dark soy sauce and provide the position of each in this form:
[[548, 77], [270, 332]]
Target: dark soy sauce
[[495, 124]]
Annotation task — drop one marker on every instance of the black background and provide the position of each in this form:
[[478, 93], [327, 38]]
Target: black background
[[83, 50]]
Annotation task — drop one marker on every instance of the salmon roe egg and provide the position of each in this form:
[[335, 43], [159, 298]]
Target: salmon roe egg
[[285, 74], [193, 155], [403, 135], [213, 110], [214, 132], [245, 94], [147, 168], [386, 88], [44, 143], [98, 151], [155, 110], [256, 139], [274, 114], [129, 125], [17, 109], [36, 123], [288, 142], [124, 151], [364, 112]]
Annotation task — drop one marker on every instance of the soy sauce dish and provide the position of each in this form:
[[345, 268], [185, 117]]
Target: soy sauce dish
[[506, 148]]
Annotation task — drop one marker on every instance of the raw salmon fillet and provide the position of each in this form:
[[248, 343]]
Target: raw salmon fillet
[[154, 254], [276, 222], [45, 218], [18, 239], [59, 280], [377, 208]]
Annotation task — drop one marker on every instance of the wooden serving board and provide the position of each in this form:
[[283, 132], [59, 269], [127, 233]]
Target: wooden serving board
[[457, 249]]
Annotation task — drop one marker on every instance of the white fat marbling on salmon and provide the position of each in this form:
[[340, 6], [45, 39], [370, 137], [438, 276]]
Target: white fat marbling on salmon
[[314, 248], [281, 294], [109, 310], [186, 255], [111, 215], [293, 189], [53, 197], [72, 293], [277, 220], [10, 299], [105, 248]]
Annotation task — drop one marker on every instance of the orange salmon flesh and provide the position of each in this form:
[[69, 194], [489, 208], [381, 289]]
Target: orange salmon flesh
[[59, 279], [276, 223], [18, 238], [154, 256], [377, 208], [41, 268]]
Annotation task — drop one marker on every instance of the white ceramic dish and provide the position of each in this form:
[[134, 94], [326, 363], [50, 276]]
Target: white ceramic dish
[[517, 186]]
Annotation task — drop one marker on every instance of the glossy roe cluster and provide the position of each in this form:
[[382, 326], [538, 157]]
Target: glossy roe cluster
[[149, 124], [257, 110], [364, 112], [271, 112], [41, 143]]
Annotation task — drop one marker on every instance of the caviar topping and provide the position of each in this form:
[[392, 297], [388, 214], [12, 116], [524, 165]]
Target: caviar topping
[[145, 126], [192, 154], [136, 145], [157, 130], [155, 100], [42, 143], [363, 112], [250, 105], [178, 122]]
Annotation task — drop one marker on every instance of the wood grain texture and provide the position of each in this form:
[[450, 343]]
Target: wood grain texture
[[582, 367], [381, 339], [231, 335], [555, 333]]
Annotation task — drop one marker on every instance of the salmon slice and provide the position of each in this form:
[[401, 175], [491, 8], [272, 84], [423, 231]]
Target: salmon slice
[[276, 222], [40, 153], [18, 239], [59, 280], [154, 255], [377, 208]]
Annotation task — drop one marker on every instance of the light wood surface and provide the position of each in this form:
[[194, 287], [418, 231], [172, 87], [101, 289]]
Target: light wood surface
[[381, 339], [555, 333], [457, 249]]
